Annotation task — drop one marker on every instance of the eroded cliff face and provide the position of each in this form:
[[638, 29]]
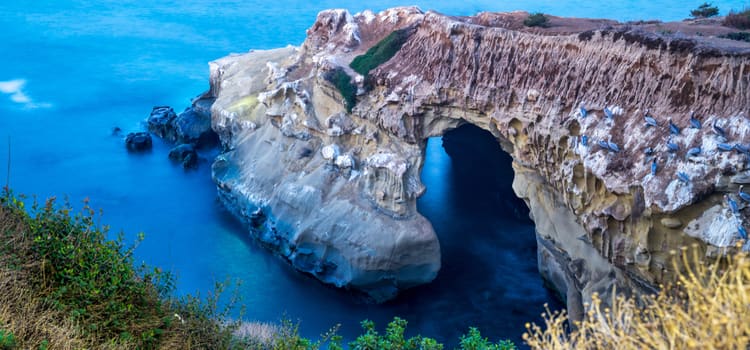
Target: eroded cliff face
[[335, 192]]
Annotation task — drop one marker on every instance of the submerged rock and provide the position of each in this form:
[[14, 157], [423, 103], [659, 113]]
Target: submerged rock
[[138, 141], [288, 137], [184, 154]]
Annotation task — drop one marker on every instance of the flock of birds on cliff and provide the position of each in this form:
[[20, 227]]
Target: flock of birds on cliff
[[673, 148]]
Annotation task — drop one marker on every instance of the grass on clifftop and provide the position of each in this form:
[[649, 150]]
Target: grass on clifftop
[[739, 20], [707, 308], [380, 53]]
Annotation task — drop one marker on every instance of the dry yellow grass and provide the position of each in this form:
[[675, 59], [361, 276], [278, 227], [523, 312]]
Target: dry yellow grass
[[707, 308]]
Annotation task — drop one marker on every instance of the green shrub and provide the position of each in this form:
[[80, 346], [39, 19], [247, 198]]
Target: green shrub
[[704, 11], [740, 36], [80, 278], [343, 82], [394, 339], [537, 19], [7, 340], [380, 53], [739, 20], [475, 341]]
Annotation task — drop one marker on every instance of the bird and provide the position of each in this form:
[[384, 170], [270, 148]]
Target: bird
[[654, 167], [613, 146], [583, 111], [683, 177], [585, 140], [673, 128], [650, 121], [671, 146], [724, 147], [649, 151], [742, 148], [743, 195], [695, 123], [694, 151], [742, 232], [603, 144], [608, 113], [732, 204], [718, 130]]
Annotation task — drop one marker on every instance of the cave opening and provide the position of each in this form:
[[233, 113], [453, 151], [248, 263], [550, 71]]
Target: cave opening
[[488, 243]]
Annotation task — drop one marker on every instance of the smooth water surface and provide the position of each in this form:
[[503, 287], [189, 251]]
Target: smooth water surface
[[70, 71]]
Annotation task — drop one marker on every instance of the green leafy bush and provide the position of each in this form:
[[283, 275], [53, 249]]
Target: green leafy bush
[[739, 20], [394, 339], [65, 266], [7, 340], [537, 19], [704, 11], [380, 53], [475, 341], [740, 36], [343, 82]]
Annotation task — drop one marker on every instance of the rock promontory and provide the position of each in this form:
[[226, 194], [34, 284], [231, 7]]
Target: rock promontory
[[322, 162]]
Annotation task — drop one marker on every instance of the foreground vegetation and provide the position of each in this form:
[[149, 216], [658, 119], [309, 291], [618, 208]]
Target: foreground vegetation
[[64, 285], [708, 307]]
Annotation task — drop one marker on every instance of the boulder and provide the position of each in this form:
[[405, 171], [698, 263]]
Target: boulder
[[160, 122], [191, 126], [185, 154], [138, 141]]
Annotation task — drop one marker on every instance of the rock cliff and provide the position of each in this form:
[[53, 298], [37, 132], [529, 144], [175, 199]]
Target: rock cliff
[[334, 192]]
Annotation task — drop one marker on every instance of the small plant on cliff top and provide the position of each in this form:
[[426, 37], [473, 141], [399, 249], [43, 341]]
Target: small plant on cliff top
[[706, 308], [537, 19], [704, 11]]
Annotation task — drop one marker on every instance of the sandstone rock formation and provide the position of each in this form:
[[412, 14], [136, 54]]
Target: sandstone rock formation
[[335, 193]]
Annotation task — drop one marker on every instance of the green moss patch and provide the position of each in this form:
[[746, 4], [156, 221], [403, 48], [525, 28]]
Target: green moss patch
[[381, 52], [343, 83]]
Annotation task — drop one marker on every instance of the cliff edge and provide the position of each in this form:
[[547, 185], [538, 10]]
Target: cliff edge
[[322, 163]]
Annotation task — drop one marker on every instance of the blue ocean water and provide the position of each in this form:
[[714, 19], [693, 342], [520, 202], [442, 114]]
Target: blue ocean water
[[72, 70]]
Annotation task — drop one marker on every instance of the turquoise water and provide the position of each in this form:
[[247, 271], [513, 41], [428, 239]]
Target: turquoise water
[[72, 70]]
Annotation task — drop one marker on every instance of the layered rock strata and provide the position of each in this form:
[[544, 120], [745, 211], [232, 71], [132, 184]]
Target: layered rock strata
[[334, 193]]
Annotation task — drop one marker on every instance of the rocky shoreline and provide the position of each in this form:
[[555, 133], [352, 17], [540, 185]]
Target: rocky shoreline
[[334, 192]]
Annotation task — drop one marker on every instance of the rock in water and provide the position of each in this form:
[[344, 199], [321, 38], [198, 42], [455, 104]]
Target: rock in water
[[138, 141], [160, 122], [191, 126], [283, 117], [185, 154]]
